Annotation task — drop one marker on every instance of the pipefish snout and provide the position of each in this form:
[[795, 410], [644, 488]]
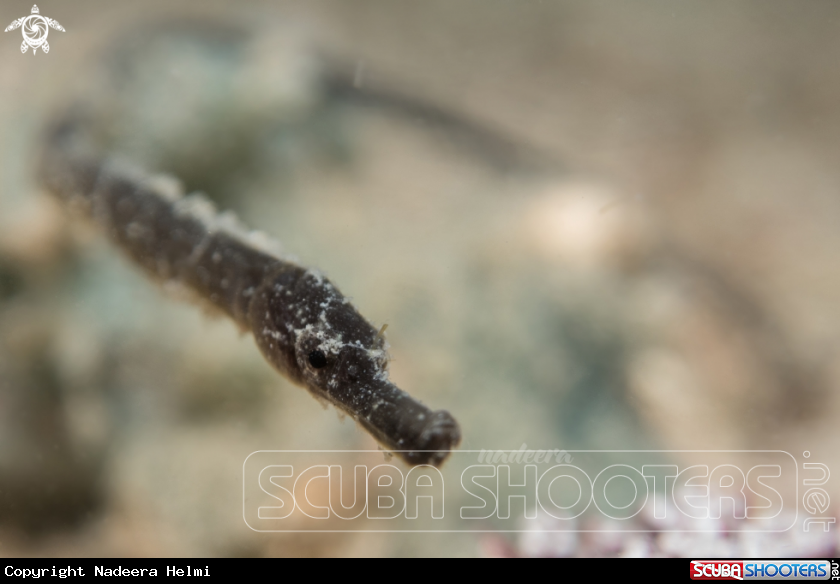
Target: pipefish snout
[[304, 326]]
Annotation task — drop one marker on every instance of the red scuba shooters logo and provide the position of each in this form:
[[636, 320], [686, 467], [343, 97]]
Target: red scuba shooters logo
[[717, 570], [760, 570]]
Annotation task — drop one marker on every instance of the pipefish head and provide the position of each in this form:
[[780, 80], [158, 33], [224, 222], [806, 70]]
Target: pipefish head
[[311, 332], [353, 376]]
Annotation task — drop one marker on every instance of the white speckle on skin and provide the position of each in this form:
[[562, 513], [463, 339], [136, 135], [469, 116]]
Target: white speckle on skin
[[323, 318], [273, 334], [316, 275]]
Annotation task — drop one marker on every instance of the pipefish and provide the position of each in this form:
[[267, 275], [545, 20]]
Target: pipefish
[[304, 326]]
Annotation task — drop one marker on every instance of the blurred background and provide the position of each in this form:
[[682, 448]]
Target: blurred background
[[588, 225]]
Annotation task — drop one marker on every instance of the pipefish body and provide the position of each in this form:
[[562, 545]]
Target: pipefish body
[[301, 322]]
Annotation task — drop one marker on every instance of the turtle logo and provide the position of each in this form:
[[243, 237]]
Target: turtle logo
[[35, 30]]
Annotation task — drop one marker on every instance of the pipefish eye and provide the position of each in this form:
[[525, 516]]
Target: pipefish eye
[[317, 359]]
